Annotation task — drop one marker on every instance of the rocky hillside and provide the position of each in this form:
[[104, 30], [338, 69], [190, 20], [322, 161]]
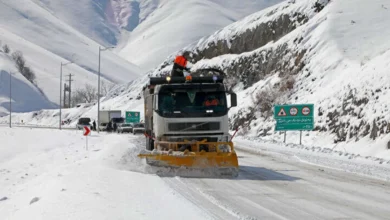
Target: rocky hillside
[[306, 51]]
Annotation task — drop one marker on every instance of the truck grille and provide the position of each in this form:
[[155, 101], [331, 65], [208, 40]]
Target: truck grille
[[194, 126], [208, 139]]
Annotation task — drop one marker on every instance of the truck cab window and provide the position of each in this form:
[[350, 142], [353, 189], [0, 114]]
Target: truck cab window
[[192, 102]]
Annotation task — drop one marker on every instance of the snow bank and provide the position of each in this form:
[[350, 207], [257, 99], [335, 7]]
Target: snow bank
[[57, 178], [348, 160]]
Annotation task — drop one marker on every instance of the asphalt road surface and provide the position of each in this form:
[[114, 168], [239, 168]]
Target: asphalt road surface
[[273, 187]]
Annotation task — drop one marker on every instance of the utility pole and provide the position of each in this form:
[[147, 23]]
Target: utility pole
[[65, 89], [70, 89], [10, 98], [98, 110], [62, 64]]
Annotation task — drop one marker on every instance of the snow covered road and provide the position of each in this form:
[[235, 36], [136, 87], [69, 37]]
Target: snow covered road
[[48, 174]]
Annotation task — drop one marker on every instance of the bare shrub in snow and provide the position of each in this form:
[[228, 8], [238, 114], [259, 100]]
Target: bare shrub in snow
[[105, 88], [320, 4], [88, 94], [374, 130], [29, 74], [230, 83], [6, 48], [242, 120], [287, 84], [265, 100], [20, 64]]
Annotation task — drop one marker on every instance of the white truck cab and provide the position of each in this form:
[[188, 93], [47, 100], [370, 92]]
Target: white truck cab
[[186, 108]]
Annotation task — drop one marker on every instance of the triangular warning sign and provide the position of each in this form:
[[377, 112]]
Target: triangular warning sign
[[282, 112]]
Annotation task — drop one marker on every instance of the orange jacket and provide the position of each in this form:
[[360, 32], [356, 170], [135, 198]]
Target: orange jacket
[[181, 61], [212, 102]]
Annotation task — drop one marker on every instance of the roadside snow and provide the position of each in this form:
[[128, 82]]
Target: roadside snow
[[48, 174], [321, 156]]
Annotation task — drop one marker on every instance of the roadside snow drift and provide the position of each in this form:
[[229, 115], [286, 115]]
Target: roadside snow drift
[[49, 174]]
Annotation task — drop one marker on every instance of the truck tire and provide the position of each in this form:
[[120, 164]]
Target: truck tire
[[149, 144]]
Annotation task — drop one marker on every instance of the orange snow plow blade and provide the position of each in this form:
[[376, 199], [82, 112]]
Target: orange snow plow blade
[[198, 155]]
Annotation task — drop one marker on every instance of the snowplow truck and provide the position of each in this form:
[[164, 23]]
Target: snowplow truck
[[186, 123]]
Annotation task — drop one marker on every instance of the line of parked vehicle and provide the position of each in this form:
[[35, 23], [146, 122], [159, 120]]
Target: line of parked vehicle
[[131, 128], [111, 121]]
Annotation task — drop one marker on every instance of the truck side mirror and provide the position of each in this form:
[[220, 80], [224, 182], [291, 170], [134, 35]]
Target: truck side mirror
[[233, 99]]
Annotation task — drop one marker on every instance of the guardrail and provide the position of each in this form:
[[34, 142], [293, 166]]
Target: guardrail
[[36, 126]]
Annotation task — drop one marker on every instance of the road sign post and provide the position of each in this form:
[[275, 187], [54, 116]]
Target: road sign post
[[133, 117], [87, 131], [299, 117]]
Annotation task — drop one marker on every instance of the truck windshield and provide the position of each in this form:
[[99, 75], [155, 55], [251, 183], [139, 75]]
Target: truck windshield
[[192, 103]]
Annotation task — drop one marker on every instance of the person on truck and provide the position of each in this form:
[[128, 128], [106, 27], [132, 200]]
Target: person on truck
[[211, 101], [180, 64]]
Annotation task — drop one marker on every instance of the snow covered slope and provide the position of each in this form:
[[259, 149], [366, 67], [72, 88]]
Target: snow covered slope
[[174, 24], [336, 59], [146, 31], [46, 41], [25, 95]]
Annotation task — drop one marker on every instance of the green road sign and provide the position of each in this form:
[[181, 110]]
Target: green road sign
[[133, 117], [294, 117]]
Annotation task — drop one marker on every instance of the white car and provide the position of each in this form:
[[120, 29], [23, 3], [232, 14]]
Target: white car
[[83, 122], [125, 127], [139, 128]]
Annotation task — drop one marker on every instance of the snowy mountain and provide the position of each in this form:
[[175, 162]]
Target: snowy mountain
[[20, 87], [306, 51], [138, 27], [50, 32], [166, 26], [46, 41]]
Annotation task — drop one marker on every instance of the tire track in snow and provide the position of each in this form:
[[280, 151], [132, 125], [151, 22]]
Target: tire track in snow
[[199, 198]]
